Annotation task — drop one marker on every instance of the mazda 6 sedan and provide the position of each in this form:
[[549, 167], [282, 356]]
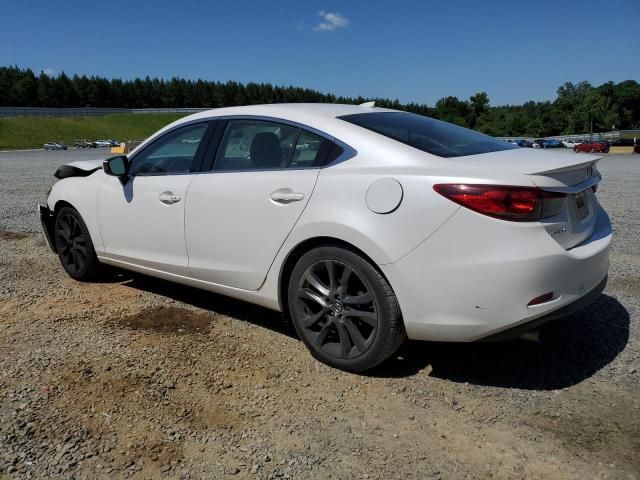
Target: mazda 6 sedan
[[364, 225]]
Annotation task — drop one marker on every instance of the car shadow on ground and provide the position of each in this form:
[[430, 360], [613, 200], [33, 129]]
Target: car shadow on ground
[[247, 312], [569, 351]]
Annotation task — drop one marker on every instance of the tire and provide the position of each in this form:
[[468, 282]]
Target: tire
[[74, 246], [326, 288]]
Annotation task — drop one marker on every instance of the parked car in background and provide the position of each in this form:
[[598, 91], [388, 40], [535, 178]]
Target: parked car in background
[[623, 142], [54, 146], [84, 144], [364, 225], [600, 146], [538, 143], [523, 143], [113, 143], [552, 143], [102, 143], [570, 143]]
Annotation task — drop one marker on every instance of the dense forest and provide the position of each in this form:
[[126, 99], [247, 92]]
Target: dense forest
[[578, 108]]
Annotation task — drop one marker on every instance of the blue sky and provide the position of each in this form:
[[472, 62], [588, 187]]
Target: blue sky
[[410, 50]]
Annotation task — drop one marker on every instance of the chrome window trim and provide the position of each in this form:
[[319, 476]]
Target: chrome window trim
[[348, 152]]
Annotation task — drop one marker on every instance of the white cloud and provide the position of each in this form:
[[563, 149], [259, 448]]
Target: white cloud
[[50, 72], [331, 21]]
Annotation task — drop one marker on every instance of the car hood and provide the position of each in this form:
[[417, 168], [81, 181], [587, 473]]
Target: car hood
[[81, 168]]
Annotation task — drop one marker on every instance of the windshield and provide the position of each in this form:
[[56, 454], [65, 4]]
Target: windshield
[[427, 134]]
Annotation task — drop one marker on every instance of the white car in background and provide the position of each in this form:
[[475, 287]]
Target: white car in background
[[102, 143], [393, 225], [570, 143]]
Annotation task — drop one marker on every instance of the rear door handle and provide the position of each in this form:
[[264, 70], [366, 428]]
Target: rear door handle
[[169, 198], [284, 197]]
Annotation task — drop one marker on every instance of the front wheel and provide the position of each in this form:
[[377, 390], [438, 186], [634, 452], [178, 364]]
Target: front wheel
[[344, 310], [74, 246]]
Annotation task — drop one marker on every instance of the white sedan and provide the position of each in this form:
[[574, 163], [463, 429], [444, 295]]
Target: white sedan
[[364, 225]]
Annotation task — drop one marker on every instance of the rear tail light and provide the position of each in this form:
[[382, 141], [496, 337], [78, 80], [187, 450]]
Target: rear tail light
[[523, 204]]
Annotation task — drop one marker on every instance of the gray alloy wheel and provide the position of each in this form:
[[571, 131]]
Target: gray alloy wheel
[[74, 246], [343, 309]]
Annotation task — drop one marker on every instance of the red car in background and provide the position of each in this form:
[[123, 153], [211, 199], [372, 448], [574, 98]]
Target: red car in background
[[592, 146]]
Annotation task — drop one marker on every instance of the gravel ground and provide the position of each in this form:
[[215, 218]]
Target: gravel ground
[[135, 377]]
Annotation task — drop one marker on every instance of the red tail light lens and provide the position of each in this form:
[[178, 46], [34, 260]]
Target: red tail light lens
[[524, 204]]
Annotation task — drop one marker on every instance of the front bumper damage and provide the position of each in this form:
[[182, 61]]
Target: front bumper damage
[[47, 220]]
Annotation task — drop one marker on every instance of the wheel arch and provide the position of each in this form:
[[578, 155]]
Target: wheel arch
[[305, 246], [79, 193], [60, 204]]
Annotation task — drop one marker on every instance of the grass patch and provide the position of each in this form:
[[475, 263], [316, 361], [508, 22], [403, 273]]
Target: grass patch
[[32, 132]]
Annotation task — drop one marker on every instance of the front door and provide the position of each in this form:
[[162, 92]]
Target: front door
[[142, 221]]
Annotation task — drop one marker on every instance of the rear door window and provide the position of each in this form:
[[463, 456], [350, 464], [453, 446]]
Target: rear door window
[[250, 145]]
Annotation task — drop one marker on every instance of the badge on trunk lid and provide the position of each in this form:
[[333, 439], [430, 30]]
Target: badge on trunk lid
[[581, 206]]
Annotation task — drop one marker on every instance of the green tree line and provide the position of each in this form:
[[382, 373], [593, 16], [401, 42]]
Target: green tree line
[[578, 107]]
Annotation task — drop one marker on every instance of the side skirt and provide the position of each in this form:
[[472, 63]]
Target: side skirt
[[252, 296]]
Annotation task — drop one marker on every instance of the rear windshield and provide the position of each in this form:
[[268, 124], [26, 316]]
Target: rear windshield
[[427, 134]]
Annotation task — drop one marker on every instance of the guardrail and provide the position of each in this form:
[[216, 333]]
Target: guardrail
[[168, 110], [85, 111]]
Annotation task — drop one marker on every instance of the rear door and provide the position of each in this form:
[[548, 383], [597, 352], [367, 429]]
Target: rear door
[[142, 220], [241, 210]]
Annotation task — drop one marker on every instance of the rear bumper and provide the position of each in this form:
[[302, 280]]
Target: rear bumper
[[516, 332], [472, 280], [46, 221]]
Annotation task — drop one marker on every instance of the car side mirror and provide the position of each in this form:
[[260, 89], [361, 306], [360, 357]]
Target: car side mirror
[[116, 166]]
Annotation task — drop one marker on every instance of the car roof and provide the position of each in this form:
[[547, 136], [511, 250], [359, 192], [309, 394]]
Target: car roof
[[321, 116], [293, 109]]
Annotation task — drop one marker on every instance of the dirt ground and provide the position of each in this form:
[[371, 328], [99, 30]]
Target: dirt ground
[[136, 377]]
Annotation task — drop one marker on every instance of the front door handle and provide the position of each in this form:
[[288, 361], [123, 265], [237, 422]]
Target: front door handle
[[286, 196], [169, 198]]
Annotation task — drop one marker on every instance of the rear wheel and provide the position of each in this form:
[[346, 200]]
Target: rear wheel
[[344, 310], [74, 246]]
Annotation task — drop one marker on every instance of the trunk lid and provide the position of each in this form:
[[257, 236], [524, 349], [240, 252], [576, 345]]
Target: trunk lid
[[575, 175]]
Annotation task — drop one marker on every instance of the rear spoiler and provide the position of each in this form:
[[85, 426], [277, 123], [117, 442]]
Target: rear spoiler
[[576, 188]]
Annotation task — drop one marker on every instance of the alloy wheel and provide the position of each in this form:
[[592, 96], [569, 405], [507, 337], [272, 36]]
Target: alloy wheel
[[71, 243], [336, 309]]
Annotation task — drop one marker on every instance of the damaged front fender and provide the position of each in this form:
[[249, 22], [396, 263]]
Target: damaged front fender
[[82, 168]]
